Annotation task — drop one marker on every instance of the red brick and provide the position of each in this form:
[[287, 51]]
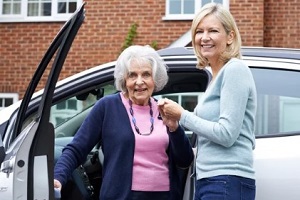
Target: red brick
[[271, 23]]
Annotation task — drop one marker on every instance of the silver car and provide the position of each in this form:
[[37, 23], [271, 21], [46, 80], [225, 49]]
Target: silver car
[[35, 130]]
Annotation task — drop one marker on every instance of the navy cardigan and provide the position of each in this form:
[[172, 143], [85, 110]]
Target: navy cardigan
[[109, 123]]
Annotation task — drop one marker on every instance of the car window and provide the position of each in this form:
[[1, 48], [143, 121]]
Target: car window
[[278, 101], [67, 109], [68, 115]]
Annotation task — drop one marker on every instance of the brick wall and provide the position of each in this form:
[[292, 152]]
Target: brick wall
[[282, 23], [107, 23], [249, 16]]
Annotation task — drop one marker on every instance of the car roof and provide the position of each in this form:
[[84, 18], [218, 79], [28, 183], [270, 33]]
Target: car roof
[[282, 53], [255, 57]]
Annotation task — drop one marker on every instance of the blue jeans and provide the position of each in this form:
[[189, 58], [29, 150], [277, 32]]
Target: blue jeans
[[225, 187]]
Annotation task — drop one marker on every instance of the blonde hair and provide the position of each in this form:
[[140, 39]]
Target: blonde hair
[[228, 22]]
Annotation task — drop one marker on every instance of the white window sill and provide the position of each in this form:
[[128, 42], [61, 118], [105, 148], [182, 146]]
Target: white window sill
[[33, 19], [178, 17]]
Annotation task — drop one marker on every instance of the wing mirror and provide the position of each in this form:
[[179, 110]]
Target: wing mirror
[[96, 92]]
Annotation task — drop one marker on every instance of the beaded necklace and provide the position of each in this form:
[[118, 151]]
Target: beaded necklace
[[134, 120]]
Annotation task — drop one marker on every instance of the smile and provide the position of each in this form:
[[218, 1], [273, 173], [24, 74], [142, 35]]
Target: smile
[[140, 90], [207, 46]]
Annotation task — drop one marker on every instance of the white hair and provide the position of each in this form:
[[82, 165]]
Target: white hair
[[140, 53]]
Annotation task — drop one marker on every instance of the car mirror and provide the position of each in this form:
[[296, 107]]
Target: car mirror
[[96, 92]]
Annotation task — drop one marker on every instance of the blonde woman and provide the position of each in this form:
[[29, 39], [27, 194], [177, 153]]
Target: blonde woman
[[224, 117]]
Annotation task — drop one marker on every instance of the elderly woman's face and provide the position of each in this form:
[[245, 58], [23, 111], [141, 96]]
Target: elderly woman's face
[[139, 82]]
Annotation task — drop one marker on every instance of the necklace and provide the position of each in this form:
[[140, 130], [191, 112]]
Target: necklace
[[134, 120]]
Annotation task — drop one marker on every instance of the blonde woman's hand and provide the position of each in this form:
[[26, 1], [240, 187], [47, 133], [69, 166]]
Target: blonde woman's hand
[[172, 124], [170, 109]]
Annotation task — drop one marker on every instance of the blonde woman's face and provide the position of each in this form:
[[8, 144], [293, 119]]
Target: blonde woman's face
[[140, 83], [211, 38]]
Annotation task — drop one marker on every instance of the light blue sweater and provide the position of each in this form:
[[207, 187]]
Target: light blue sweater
[[224, 123]]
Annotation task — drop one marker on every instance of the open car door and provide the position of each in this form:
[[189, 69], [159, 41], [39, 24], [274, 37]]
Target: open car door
[[27, 164]]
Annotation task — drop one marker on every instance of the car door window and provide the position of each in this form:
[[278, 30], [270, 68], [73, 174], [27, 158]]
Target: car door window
[[67, 115], [278, 101]]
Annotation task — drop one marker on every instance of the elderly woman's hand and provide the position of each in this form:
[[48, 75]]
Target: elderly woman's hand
[[171, 124], [57, 184]]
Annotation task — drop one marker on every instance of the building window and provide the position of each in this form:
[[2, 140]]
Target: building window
[[11, 7], [186, 9], [6, 99], [37, 10]]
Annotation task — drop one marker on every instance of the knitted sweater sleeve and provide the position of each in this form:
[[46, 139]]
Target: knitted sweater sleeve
[[83, 142], [224, 106], [181, 150]]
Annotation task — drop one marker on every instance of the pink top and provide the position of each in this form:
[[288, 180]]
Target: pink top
[[150, 163]]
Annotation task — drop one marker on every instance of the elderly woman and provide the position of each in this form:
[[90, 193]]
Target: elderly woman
[[141, 151]]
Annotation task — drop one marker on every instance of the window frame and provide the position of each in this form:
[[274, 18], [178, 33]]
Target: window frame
[[13, 96], [23, 16], [198, 5]]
